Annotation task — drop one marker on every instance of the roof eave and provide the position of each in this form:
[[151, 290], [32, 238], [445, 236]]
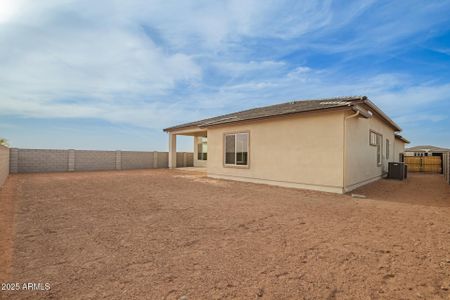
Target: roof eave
[[178, 128], [399, 137], [257, 118], [364, 100], [335, 108]]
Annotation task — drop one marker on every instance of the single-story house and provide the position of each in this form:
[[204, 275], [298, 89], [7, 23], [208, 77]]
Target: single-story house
[[332, 145], [426, 150]]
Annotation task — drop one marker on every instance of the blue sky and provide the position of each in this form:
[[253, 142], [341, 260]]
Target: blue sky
[[112, 74]]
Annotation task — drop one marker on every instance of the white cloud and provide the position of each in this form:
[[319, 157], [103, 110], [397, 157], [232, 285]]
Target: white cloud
[[415, 96], [95, 60], [155, 63], [7, 10], [241, 68], [56, 67]]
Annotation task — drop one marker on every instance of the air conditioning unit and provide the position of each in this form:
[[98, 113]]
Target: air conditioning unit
[[397, 170]]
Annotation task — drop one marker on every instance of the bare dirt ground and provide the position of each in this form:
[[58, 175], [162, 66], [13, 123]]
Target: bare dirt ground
[[157, 234]]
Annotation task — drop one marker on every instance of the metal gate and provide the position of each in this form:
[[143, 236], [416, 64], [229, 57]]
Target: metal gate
[[430, 164]]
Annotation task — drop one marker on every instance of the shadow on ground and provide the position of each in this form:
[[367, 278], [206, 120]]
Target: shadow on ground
[[419, 188]]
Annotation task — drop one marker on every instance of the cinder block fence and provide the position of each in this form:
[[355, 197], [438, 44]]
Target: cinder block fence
[[4, 164], [447, 167], [55, 160]]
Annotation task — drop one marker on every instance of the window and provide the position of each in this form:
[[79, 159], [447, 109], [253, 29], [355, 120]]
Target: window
[[387, 148], [236, 149], [376, 139], [202, 149], [379, 148], [372, 138]]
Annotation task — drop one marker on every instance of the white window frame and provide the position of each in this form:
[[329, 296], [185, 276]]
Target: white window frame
[[376, 140], [379, 149], [372, 138], [235, 165]]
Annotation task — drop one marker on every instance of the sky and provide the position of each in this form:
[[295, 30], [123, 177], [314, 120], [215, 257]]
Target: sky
[[112, 74]]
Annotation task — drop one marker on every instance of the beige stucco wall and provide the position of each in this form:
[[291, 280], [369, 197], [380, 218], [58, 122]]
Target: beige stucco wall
[[304, 150], [399, 147], [198, 163], [4, 164], [361, 157]]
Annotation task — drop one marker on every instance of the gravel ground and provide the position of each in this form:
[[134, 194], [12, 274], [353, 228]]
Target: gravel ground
[[157, 234]]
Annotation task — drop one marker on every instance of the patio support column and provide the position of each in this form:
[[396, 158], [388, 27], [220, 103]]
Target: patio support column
[[172, 150]]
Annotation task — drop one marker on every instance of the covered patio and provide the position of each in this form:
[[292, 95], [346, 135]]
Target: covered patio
[[200, 146]]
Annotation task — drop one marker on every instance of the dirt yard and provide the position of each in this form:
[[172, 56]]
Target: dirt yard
[[157, 234]]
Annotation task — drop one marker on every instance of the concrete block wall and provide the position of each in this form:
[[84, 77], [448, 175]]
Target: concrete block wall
[[448, 167], [189, 158], [138, 160], [4, 164], [446, 164], [87, 160], [50, 160], [39, 160], [185, 159], [163, 159]]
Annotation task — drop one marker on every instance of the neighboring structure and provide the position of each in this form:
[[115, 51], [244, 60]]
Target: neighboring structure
[[426, 159], [425, 150], [333, 145]]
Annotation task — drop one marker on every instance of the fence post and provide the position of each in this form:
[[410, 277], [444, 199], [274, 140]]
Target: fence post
[[184, 159], [71, 161], [155, 159], [118, 160], [13, 160]]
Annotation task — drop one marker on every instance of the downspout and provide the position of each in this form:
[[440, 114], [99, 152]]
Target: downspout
[[393, 151], [344, 181]]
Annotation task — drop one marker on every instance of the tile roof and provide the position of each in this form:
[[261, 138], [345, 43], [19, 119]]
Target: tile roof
[[291, 107], [398, 136]]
